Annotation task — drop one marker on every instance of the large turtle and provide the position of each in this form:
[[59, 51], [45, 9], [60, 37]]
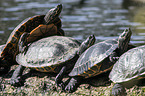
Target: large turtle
[[129, 70], [56, 54], [97, 59], [11, 49]]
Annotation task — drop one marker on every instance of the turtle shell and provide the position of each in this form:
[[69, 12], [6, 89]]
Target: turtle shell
[[2, 47], [93, 61], [131, 65], [49, 54], [25, 26]]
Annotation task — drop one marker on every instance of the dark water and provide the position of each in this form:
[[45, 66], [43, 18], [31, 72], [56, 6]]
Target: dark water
[[104, 18]]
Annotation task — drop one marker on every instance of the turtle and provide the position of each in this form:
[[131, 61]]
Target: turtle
[[128, 71], [55, 54], [97, 59], [28, 25]]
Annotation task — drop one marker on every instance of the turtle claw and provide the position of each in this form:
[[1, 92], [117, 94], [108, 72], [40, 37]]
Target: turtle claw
[[72, 85], [113, 57], [70, 88], [15, 81], [60, 84], [118, 90]]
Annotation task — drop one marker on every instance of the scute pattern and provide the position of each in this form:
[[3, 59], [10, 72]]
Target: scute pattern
[[90, 62], [49, 51], [130, 65], [11, 45]]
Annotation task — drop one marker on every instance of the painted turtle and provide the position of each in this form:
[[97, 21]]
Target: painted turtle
[[56, 54], [128, 70], [97, 59], [11, 49]]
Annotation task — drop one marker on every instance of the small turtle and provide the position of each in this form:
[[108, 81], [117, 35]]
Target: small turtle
[[56, 54], [97, 59], [128, 70], [11, 49]]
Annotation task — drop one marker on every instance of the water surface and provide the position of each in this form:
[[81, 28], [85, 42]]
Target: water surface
[[106, 19]]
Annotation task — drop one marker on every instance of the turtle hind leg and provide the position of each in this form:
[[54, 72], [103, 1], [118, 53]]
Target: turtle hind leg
[[73, 84], [118, 90]]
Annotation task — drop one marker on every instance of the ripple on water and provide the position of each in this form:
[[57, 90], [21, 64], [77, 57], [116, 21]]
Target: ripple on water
[[104, 18], [1, 32], [10, 18], [74, 18], [31, 5], [115, 11], [21, 0]]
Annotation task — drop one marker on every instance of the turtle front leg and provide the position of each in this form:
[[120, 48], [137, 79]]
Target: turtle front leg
[[23, 42], [16, 77], [113, 57], [59, 77], [118, 90], [73, 84]]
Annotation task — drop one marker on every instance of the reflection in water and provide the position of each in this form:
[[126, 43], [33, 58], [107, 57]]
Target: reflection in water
[[127, 3], [136, 7], [103, 18]]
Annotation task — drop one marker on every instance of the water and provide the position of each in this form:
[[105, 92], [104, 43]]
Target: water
[[106, 19]]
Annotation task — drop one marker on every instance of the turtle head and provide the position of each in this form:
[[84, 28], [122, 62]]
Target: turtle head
[[86, 44], [53, 14], [124, 40]]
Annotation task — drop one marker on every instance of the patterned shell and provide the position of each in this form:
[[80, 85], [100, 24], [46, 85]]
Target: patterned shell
[[130, 65], [47, 53], [25, 26], [93, 60]]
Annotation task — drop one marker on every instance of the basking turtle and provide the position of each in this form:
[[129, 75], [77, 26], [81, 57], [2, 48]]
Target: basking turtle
[[128, 70], [11, 49], [56, 54], [97, 59]]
